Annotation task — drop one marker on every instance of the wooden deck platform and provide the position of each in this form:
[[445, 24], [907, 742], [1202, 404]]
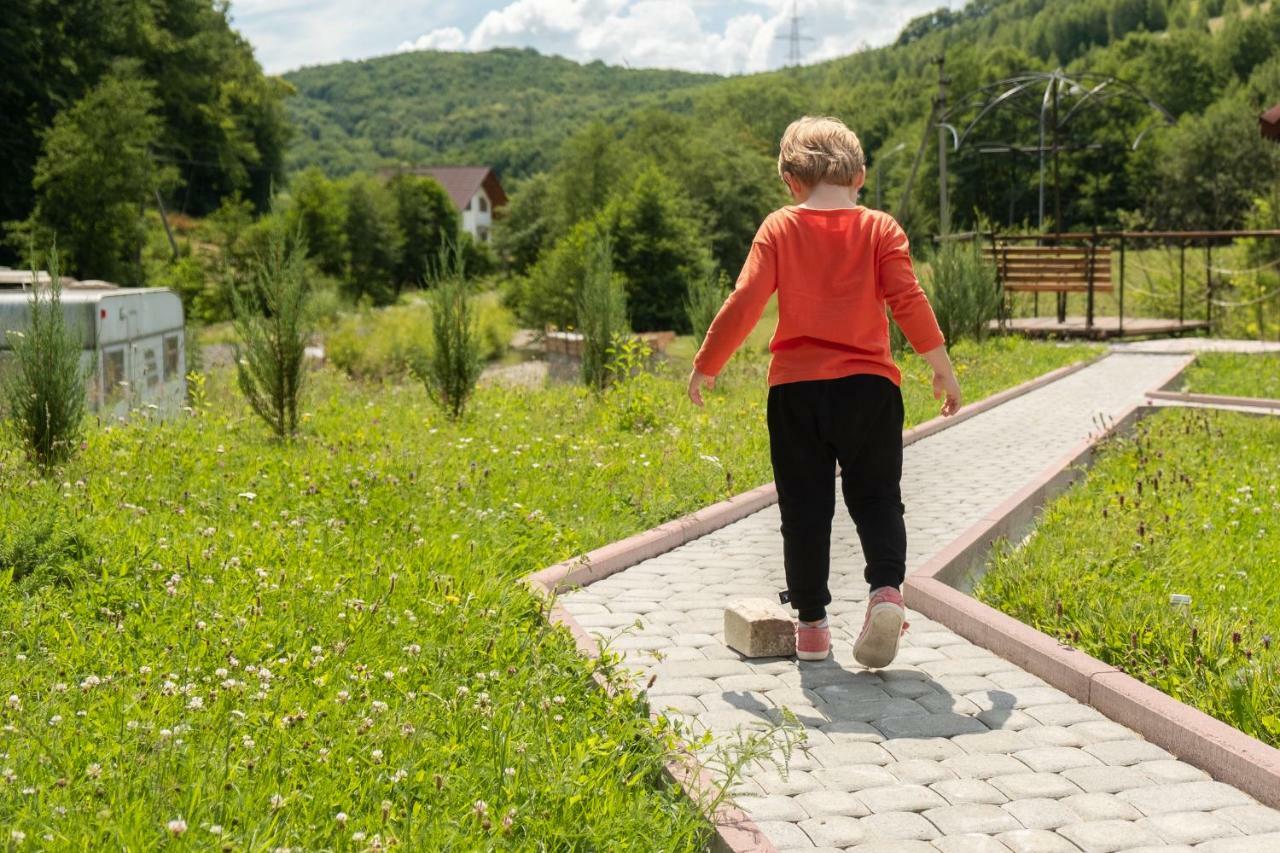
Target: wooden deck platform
[[1104, 328]]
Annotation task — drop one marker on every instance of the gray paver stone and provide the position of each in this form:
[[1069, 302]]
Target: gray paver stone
[[846, 754], [846, 731], [983, 766], [1054, 759], [1184, 796], [1018, 786], [1253, 819], [1169, 772], [1007, 720], [772, 807], [853, 778], [833, 830], [682, 686], [929, 748], [994, 741], [971, 843], [1099, 731], [898, 826], [1041, 813], [959, 791], [793, 783], [826, 803], [1268, 843], [893, 847], [900, 798], [919, 771], [784, 835], [1100, 806], [1065, 714], [972, 817], [1107, 836], [1036, 841], [1189, 827], [928, 725], [1054, 736], [1107, 780], [701, 668], [1123, 753]]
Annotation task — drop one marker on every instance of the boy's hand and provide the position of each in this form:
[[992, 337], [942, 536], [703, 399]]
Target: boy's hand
[[946, 384], [698, 381]]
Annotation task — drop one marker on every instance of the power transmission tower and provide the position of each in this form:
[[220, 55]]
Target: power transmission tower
[[794, 38]]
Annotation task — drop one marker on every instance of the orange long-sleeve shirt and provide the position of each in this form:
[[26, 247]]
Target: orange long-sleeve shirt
[[834, 272]]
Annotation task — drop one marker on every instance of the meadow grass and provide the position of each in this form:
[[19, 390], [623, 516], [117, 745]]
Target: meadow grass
[[1189, 505], [1235, 374], [211, 638]]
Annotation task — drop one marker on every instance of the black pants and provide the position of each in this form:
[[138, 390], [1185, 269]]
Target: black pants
[[856, 421]]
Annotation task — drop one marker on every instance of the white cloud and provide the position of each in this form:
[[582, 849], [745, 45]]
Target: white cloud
[[686, 34]]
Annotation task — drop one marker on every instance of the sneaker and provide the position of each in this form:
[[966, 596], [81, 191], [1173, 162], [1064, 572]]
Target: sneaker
[[813, 642], [885, 624]]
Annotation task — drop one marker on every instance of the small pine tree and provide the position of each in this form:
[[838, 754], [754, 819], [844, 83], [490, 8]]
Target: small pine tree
[[44, 382], [705, 297], [452, 366], [602, 312], [271, 320]]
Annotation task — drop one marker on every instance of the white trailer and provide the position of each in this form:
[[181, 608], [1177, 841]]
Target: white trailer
[[133, 337]]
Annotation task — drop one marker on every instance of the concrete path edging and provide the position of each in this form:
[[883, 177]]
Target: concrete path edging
[[1214, 399], [1216, 747], [735, 831]]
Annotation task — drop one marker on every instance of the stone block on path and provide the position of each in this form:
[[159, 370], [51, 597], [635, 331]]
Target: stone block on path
[[758, 628]]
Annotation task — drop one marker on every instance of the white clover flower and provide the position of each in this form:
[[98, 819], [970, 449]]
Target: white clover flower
[[196, 703], [277, 802], [17, 835], [376, 755], [177, 827], [93, 771], [14, 702], [341, 818], [216, 829], [55, 719]]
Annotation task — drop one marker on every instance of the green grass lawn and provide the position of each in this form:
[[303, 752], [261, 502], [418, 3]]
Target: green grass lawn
[[1235, 374], [319, 643], [1189, 505]]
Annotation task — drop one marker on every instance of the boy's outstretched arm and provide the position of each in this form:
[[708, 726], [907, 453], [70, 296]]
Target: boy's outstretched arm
[[736, 318], [913, 314]]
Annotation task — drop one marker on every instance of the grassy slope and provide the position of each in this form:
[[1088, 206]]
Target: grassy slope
[[1236, 374], [367, 567], [1190, 506]]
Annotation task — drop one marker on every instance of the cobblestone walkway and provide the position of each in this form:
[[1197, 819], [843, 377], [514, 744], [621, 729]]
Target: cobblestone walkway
[[950, 749]]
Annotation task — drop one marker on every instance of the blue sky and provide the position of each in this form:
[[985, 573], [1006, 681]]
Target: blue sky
[[695, 35]]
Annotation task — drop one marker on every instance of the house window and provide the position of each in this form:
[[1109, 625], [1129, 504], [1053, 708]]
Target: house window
[[150, 367], [484, 204], [482, 232], [468, 207], [113, 373], [170, 356]]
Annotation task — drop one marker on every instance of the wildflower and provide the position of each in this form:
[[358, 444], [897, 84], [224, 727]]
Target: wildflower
[[1235, 638], [399, 776], [216, 829], [481, 808], [277, 802], [93, 771], [509, 772], [379, 706], [17, 835], [177, 827], [341, 818], [376, 755], [196, 703], [14, 702], [343, 697]]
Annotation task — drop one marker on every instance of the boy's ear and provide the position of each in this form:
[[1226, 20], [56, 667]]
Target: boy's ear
[[860, 178]]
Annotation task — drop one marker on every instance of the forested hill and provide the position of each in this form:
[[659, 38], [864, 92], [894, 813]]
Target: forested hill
[[506, 108], [1212, 63]]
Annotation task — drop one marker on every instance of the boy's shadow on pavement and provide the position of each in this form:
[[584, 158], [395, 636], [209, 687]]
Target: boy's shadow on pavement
[[889, 703]]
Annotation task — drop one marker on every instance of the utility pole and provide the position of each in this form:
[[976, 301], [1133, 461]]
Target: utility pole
[[944, 211], [794, 38]]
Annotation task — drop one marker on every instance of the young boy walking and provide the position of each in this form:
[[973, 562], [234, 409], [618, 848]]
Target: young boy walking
[[833, 385]]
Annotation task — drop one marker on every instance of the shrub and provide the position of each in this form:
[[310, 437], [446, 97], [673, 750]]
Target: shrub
[[452, 367], [385, 343], [962, 290], [704, 299], [44, 381], [602, 313], [273, 325], [43, 552]]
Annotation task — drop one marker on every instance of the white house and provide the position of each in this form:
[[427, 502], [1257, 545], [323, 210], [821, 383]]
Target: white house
[[475, 191]]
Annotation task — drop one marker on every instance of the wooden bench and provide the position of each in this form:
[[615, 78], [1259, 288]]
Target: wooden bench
[[1052, 269]]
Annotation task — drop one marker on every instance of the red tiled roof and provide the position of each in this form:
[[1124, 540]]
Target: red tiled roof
[[1269, 122], [461, 182]]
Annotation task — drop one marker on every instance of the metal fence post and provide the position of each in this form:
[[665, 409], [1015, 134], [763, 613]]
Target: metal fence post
[[1120, 319]]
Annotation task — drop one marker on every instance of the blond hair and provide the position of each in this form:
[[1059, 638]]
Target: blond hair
[[820, 148]]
